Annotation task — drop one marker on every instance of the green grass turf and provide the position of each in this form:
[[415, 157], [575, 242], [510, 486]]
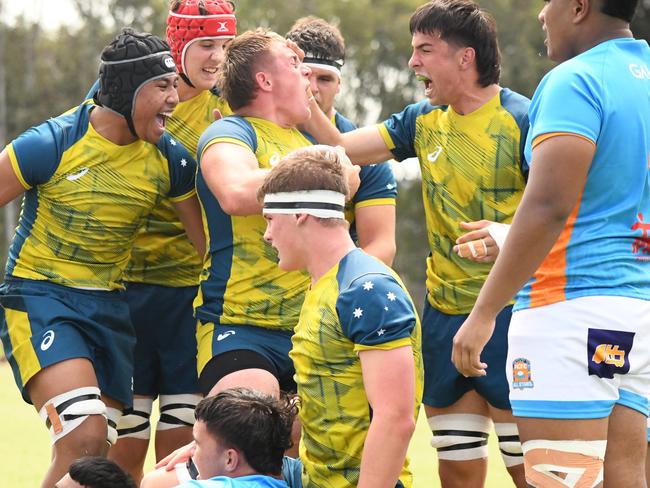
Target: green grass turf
[[25, 445]]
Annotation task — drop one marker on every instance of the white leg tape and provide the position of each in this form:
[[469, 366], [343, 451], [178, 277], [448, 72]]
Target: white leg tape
[[579, 463], [113, 416], [460, 437], [177, 411], [509, 444], [65, 412], [135, 421]]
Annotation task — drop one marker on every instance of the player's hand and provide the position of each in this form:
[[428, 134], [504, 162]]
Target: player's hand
[[179, 456], [477, 245], [469, 342], [351, 172]]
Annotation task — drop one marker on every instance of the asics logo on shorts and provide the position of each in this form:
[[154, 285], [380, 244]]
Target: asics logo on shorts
[[608, 352], [228, 333], [48, 339], [76, 176]]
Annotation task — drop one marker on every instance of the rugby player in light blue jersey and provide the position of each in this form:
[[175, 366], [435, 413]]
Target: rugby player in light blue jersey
[[579, 245]]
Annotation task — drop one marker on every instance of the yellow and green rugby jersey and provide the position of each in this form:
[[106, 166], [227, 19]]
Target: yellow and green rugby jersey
[[162, 253], [377, 182], [360, 304], [86, 197], [472, 168], [241, 283]]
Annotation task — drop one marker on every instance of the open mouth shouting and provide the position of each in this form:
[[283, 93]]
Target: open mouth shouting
[[427, 84]]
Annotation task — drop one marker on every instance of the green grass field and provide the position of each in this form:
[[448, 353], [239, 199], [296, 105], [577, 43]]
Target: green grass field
[[25, 446]]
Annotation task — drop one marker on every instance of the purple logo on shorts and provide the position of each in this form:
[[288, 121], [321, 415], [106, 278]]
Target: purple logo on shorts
[[608, 352]]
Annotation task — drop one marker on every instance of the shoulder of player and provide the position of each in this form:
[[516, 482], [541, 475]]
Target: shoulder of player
[[357, 268]]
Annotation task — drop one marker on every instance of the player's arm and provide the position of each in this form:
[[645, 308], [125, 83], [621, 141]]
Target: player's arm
[[189, 213], [233, 175], [363, 146], [10, 185], [556, 180], [375, 226], [389, 382]]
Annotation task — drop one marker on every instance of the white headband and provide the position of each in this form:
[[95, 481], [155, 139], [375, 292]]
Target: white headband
[[327, 67], [324, 204]]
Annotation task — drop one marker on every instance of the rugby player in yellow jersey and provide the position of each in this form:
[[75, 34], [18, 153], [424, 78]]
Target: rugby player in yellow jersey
[[371, 212], [90, 176], [247, 307], [163, 274], [356, 348], [468, 136]]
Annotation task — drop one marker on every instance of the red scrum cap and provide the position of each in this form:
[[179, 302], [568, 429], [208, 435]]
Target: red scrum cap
[[191, 20]]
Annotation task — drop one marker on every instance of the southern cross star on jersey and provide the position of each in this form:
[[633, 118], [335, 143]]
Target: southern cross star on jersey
[[357, 313], [391, 296], [172, 141], [368, 285], [183, 162]]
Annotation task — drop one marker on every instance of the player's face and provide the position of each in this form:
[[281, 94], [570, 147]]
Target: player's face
[[154, 103], [324, 86], [282, 234], [67, 482], [555, 17], [437, 64], [290, 84], [202, 61], [209, 456]]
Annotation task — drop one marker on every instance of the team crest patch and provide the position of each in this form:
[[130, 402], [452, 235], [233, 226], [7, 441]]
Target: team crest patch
[[521, 377], [608, 352]]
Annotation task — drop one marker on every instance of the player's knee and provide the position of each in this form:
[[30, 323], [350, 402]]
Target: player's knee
[[460, 437], [572, 463], [66, 413], [177, 411], [509, 444], [135, 422]]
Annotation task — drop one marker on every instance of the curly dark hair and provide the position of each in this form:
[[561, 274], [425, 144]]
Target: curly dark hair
[[317, 37], [255, 424], [99, 472]]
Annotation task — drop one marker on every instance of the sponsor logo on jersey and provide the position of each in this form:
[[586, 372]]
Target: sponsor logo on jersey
[[226, 334], [432, 157], [521, 377], [608, 352], [76, 176], [641, 245], [640, 71]]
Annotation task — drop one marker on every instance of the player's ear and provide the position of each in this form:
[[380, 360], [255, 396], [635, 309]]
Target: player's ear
[[232, 460], [301, 219]]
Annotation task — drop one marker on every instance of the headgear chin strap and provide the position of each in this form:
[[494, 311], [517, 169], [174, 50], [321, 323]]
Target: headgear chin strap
[[324, 204], [127, 63], [191, 20]]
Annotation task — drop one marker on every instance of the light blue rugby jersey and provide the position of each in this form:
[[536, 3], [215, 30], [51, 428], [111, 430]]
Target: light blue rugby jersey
[[602, 95]]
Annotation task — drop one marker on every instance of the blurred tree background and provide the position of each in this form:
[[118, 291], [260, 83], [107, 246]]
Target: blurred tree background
[[45, 71]]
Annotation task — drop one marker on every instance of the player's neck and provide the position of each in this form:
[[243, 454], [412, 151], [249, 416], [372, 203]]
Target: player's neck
[[186, 92], [111, 126], [265, 108], [474, 97], [327, 247]]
